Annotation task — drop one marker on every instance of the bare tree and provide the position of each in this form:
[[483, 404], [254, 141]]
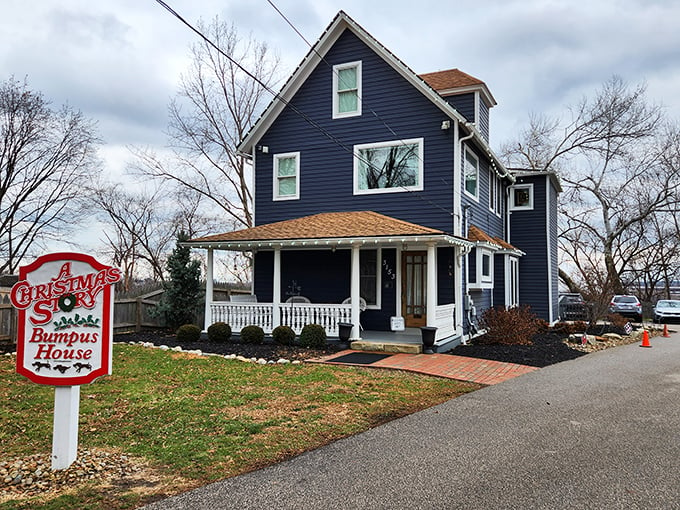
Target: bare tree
[[216, 105], [46, 158], [618, 165]]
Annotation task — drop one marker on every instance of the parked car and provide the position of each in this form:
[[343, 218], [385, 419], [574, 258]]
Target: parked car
[[667, 310], [628, 306], [572, 307]]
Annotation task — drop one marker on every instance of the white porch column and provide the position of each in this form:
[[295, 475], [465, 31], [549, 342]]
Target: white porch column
[[276, 292], [431, 284], [458, 287], [355, 292], [207, 321]]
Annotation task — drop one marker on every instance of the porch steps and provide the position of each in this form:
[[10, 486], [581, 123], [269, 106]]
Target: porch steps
[[395, 347]]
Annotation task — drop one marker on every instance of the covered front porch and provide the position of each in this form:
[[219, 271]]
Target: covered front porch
[[385, 277]]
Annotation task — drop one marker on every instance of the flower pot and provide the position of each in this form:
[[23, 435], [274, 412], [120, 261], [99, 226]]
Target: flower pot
[[344, 331], [428, 334]]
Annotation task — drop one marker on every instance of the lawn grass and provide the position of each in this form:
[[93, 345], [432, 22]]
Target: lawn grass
[[190, 420]]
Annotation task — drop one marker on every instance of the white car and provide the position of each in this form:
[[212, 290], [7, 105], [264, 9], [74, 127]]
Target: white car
[[667, 310]]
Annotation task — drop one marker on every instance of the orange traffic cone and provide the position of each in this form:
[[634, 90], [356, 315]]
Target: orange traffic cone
[[665, 331], [645, 339]]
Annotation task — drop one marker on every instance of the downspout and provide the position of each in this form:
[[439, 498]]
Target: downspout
[[461, 266]]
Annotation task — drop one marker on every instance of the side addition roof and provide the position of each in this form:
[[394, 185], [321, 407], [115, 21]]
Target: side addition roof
[[480, 238], [455, 81]]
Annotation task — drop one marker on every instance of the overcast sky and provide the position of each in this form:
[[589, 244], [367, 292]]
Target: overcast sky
[[119, 61]]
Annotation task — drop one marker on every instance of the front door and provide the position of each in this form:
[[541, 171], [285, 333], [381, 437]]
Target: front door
[[414, 288]]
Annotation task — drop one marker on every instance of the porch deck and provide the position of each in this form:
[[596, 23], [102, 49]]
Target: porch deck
[[408, 341]]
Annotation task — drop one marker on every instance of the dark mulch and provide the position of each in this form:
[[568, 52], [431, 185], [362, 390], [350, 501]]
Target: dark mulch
[[546, 349], [268, 350]]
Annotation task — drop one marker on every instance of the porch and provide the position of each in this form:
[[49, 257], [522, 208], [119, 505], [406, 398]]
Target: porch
[[329, 315]]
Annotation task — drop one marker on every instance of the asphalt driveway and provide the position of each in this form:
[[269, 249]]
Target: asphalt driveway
[[601, 431]]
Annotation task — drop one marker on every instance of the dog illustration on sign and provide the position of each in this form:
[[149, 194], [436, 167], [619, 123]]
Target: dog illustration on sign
[[80, 366], [39, 365]]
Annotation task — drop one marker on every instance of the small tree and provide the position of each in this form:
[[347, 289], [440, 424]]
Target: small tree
[[182, 296]]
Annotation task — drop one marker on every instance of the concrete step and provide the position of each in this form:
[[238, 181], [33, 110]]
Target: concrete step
[[407, 348]]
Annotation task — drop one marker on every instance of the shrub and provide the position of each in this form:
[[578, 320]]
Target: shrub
[[188, 333], [219, 332], [514, 326], [252, 335], [313, 335], [283, 335]]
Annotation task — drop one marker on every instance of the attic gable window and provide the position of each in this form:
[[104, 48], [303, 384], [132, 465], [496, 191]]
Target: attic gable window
[[471, 174], [522, 197], [388, 167], [287, 176], [347, 90]]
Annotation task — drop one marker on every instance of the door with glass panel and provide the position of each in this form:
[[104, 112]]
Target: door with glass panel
[[414, 288]]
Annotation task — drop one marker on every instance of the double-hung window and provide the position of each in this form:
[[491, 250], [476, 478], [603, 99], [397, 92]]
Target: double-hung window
[[287, 176], [388, 167], [369, 276], [471, 173], [347, 90], [495, 193]]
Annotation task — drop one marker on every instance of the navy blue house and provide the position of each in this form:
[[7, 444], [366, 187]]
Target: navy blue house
[[379, 202]]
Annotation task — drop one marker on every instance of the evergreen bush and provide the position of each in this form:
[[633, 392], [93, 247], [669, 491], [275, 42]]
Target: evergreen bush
[[188, 333], [283, 335], [219, 332], [252, 335], [313, 335]]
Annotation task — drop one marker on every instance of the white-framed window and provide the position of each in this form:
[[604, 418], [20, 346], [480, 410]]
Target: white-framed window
[[388, 167], [287, 176], [511, 281], [471, 174], [369, 277], [522, 197], [347, 90], [483, 269], [495, 193]]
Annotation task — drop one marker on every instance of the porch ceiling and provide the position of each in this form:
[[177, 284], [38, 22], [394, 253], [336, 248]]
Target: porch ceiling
[[329, 229]]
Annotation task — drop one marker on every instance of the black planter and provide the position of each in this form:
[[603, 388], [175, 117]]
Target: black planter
[[428, 334], [344, 331]]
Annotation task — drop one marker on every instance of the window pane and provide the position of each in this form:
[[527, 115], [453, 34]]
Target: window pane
[[348, 102], [486, 261], [470, 174], [521, 197], [368, 275], [286, 167], [347, 79], [286, 186], [388, 167]]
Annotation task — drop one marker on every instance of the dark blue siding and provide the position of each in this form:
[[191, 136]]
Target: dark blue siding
[[389, 103], [483, 123], [478, 212], [499, 280], [529, 234], [554, 268], [445, 268], [465, 104]]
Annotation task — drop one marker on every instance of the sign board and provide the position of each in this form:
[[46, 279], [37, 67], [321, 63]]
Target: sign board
[[65, 303], [397, 323]]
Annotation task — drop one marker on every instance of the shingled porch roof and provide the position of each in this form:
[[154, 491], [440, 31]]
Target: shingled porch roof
[[478, 236], [328, 229]]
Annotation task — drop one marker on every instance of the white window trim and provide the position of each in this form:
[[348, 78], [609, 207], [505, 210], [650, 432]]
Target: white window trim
[[336, 103], [465, 162], [495, 184], [530, 206], [276, 197], [511, 287], [398, 189]]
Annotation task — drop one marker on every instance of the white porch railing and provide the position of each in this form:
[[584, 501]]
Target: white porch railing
[[295, 315], [444, 321]]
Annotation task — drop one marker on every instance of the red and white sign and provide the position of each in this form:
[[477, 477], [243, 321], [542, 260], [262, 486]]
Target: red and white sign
[[65, 303]]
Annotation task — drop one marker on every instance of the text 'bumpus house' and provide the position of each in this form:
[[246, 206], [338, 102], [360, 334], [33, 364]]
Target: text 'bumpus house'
[[379, 202]]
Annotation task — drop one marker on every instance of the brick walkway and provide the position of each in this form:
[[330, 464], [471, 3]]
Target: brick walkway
[[462, 368]]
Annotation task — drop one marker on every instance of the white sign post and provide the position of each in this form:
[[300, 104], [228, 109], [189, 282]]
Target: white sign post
[[65, 330]]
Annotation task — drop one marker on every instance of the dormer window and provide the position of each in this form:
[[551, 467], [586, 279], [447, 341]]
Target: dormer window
[[347, 90]]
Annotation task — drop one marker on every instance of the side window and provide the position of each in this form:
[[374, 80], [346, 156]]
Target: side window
[[495, 193], [287, 176], [368, 276], [471, 174], [522, 197], [347, 90]]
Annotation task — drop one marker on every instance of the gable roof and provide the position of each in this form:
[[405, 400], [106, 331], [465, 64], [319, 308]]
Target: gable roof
[[330, 229], [454, 81], [479, 237], [335, 29]]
